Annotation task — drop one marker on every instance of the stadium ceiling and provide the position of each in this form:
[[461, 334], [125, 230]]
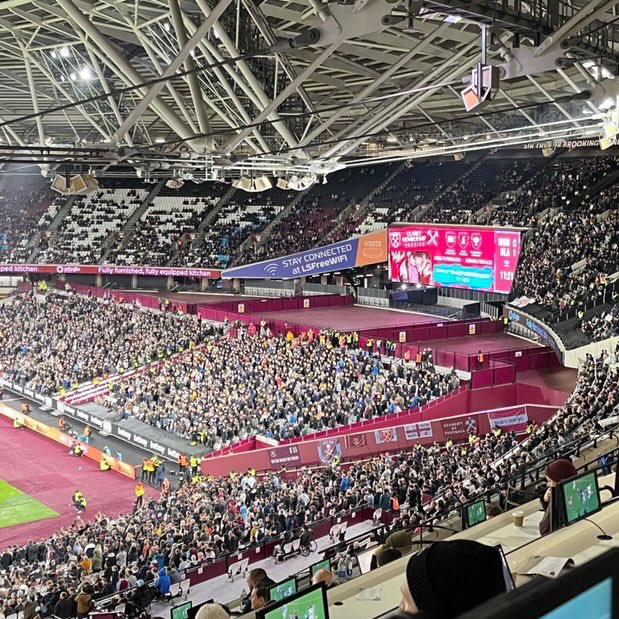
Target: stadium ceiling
[[231, 87]]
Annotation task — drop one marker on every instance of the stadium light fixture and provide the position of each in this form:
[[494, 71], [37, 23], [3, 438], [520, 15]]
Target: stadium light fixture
[[606, 143], [610, 130], [85, 72], [64, 51], [54, 55], [262, 183], [73, 76], [244, 183], [607, 104]]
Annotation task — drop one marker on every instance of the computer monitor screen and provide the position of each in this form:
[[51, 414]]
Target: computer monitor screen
[[581, 497], [475, 513], [283, 589], [193, 611], [325, 564], [589, 590], [594, 602], [309, 603], [364, 559], [510, 585], [180, 611]]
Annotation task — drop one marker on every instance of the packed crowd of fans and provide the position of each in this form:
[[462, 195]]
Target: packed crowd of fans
[[604, 326], [318, 212], [212, 517], [462, 199], [52, 343], [273, 386], [24, 201], [569, 257]]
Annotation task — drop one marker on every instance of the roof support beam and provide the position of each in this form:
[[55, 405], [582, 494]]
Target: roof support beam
[[395, 110], [282, 96], [106, 89], [268, 35], [80, 108], [192, 78], [121, 67], [34, 97], [370, 88], [551, 98], [155, 89], [252, 81], [229, 90], [592, 10]]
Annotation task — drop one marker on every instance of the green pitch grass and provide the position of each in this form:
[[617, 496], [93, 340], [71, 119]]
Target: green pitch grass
[[18, 508]]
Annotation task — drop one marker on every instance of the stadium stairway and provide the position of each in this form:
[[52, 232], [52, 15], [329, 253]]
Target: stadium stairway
[[364, 207], [125, 232], [604, 183], [209, 218], [264, 235], [34, 243]]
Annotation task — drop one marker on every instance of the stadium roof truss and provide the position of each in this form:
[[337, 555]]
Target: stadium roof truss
[[293, 86]]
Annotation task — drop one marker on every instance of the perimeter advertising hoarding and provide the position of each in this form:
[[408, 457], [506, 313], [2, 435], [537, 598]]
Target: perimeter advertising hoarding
[[482, 259], [56, 435], [536, 326], [356, 252], [110, 269]]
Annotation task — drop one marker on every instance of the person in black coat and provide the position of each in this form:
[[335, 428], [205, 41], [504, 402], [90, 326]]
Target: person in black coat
[[65, 607]]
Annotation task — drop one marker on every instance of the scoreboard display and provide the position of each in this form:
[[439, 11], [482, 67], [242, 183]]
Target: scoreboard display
[[476, 258]]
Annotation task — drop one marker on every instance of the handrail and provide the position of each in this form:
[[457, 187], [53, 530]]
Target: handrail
[[561, 452], [225, 558]]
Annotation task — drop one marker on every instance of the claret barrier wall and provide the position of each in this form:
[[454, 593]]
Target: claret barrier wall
[[320, 451]]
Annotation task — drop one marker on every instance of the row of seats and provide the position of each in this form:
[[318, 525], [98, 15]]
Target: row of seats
[[159, 233], [92, 219]]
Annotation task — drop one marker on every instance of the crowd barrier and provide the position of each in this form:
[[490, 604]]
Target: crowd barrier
[[524, 359], [493, 373], [251, 306], [457, 400], [59, 437], [90, 391], [125, 296], [103, 425], [396, 437], [435, 331]]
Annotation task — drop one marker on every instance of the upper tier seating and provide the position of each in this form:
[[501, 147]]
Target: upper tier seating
[[551, 268], [476, 188], [416, 184], [90, 222], [27, 204], [158, 235], [245, 214], [316, 214]]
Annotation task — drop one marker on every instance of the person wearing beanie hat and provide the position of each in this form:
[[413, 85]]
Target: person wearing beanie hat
[[449, 578], [555, 472]]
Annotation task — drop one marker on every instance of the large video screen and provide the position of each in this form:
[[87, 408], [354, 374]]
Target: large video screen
[[454, 256]]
